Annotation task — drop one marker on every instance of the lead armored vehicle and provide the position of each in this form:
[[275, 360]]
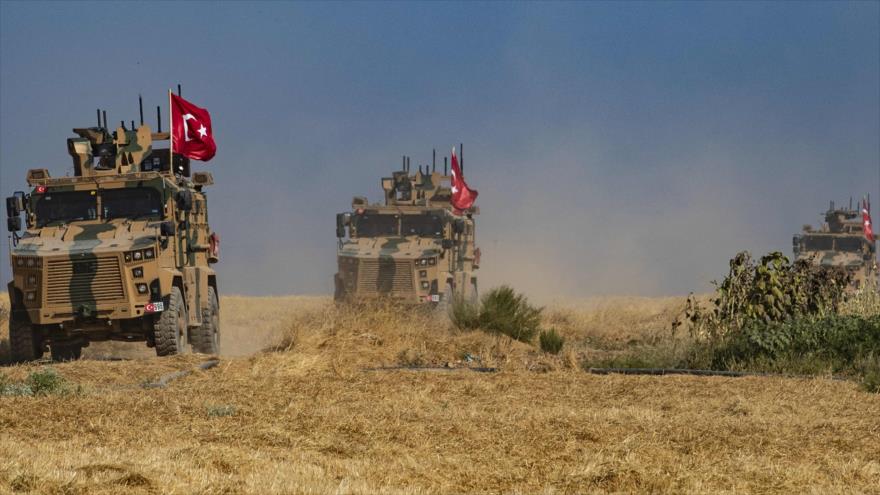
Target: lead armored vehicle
[[411, 248], [840, 241], [119, 251]]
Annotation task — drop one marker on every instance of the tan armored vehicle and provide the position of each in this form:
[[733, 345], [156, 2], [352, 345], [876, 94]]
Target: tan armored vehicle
[[120, 251], [839, 241], [411, 248]]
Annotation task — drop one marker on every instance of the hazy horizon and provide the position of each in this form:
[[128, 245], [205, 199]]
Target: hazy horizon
[[619, 148]]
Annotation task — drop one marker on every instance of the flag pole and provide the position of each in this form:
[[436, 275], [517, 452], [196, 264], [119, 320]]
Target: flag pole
[[170, 134]]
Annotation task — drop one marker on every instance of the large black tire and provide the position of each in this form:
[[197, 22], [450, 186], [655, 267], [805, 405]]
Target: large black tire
[[66, 352], [25, 343], [206, 338], [170, 329]]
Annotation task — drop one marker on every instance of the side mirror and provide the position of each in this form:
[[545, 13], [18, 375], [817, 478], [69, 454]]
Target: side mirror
[[12, 207], [166, 228], [340, 225], [15, 204], [447, 244], [13, 224], [184, 200], [458, 226]]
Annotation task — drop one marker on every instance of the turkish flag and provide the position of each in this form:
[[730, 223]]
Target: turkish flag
[[191, 136], [866, 221], [463, 197]]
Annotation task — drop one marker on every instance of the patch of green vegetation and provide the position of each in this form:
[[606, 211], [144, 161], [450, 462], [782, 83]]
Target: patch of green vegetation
[[551, 342], [501, 310], [42, 382], [220, 411]]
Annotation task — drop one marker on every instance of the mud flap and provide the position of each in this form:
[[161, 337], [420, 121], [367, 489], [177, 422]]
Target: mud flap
[[196, 289]]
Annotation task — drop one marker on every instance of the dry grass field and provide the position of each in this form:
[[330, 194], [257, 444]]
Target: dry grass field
[[313, 415]]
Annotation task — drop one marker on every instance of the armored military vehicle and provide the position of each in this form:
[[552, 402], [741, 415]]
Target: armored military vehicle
[[839, 241], [121, 250], [411, 248]]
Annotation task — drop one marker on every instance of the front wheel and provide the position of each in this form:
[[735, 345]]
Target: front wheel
[[25, 342], [206, 338], [170, 328]]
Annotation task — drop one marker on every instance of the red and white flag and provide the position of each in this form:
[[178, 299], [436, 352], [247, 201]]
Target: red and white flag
[[463, 197], [866, 221], [191, 134]]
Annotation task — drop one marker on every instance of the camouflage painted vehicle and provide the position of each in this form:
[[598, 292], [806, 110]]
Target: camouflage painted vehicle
[[120, 251], [839, 241], [410, 249]]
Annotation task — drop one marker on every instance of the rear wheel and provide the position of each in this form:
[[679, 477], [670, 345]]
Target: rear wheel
[[25, 343], [206, 338], [171, 328], [66, 352]]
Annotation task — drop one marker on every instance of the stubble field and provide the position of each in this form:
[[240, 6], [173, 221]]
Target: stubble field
[[313, 414]]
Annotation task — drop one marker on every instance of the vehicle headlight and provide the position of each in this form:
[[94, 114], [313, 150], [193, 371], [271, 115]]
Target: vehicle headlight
[[149, 253], [19, 262], [138, 272], [142, 288], [137, 255], [30, 296], [31, 262], [32, 280], [432, 261]]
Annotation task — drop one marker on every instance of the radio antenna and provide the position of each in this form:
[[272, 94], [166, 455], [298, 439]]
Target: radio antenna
[[105, 118], [158, 118], [99, 117], [141, 108]]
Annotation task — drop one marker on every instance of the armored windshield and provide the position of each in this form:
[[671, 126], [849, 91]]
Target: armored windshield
[[427, 225], [375, 225], [131, 202], [69, 206], [818, 243], [849, 244]]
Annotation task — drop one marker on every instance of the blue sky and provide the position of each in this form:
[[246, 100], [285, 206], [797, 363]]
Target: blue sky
[[623, 147]]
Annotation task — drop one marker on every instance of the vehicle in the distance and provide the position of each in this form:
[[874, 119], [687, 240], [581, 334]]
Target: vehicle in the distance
[[841, 242], [411, 248]]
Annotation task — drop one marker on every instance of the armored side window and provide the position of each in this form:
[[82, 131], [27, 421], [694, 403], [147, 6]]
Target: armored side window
[[64, 207], [375, 225], [427, 225], [132, 203], [849, 244]]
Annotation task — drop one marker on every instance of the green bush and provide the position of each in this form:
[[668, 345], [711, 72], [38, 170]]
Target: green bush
[[551, 342], [45, 381], [504, 311], [465, 315], [871, 380], [801, 345]]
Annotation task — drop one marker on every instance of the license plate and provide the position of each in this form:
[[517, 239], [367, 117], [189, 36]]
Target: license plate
[[154, 307], [435, 297]]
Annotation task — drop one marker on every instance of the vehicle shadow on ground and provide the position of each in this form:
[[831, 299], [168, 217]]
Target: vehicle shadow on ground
[[4, 352]]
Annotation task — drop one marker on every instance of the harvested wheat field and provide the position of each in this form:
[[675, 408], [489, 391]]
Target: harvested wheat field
[[321, 412]]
